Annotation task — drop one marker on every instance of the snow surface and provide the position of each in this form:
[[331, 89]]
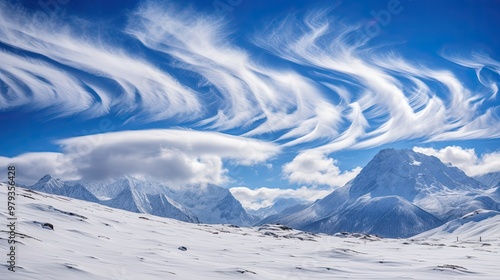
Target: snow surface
[[480, 223], [490, 179], [92, 241]]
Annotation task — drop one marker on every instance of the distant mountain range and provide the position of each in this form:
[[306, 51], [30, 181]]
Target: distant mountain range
[[208, 204], [279, 205], [400, 193]]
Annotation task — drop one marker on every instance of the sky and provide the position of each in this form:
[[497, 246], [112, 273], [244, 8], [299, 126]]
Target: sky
[[268, 98]]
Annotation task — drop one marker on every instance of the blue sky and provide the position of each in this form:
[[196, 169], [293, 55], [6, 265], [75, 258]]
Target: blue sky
[[269, 98]]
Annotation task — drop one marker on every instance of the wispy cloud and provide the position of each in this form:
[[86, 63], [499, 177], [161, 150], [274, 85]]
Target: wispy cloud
[[31, 81], [248, 91], [480, 62], [352, 96], [392, 93], [139, 85]]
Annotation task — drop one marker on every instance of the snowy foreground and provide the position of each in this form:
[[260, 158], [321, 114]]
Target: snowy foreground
[[92, 241]]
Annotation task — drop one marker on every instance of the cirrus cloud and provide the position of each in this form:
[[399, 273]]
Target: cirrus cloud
[[71, 56]]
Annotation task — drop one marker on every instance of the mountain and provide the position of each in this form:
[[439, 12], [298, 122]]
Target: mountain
[[277, 207], [132, 198], [389, 216], [206, 204], [213, 205], [490, 179], [472, 226], [444, 191], [48, 184], [398, 194]]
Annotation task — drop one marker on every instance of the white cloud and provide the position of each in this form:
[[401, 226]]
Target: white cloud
[[30, 167], [262, 197], [314, 167], [66, 43], [465, 159], [173, 156], [386, 93], [249, 92], [479, 62], [349, 96]]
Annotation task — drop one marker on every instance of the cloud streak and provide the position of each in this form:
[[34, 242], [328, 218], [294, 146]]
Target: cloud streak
[[248, 91], [392, 93], [352, 96], [141, 87]]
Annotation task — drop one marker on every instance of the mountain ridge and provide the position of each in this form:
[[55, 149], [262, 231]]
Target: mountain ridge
[[399, 193], [140, 195], [418, 190]]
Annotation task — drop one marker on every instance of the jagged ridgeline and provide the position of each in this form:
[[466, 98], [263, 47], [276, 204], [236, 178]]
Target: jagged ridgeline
[[399, 193]]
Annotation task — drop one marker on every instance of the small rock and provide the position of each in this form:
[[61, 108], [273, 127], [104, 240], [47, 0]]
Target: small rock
[[245, 271], [48, 226]]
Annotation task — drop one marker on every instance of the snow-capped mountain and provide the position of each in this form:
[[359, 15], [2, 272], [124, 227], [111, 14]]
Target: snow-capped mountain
[[284, 213], [390, 216], [48, 184], [490, 179], [132, 198], [207, 204], [398, 194], [277, 207], [213, 205]]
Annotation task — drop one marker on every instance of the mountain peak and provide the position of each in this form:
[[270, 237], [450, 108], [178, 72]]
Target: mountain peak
[[45, 178], [391, 152], [407, 173]]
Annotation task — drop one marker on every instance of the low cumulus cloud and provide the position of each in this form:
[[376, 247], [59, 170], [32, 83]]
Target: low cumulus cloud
[[173, 156], [33, 166], [465, 159], [315, 168]]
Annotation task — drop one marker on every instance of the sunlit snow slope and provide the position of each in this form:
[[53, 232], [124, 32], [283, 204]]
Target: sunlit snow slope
[[92, 241]]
